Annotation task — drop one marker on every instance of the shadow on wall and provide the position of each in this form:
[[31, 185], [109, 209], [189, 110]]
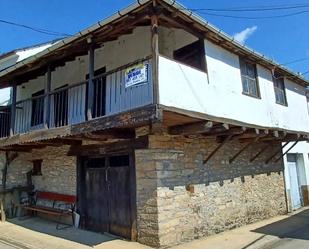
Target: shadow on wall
[[294, 227], [186, 166]]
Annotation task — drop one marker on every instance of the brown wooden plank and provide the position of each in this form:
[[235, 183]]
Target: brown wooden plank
[[134, 118], [228, 138], [232, 159], [276, 153], [109, 148]]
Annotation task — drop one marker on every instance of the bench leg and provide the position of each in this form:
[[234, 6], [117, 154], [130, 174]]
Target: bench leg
[[61, 226]]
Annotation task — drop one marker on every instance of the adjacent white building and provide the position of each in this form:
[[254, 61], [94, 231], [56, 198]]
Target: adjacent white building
[[296, 165]]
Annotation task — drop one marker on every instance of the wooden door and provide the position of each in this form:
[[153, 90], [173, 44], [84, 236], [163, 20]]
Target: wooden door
[[107, 198], [96, 211], [118, 173]]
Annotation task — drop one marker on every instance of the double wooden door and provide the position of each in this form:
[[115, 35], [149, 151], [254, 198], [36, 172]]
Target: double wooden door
[[107, 198]]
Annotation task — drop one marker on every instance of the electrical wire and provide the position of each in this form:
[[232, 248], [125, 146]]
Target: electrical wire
[[259, 8], [295, 61], [253, 17], [39, 30]]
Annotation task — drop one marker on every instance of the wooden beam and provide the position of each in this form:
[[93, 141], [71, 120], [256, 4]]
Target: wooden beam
[[276, 153], [226, 126], [259, 152], [155, 56], [276, 133], [13, 109], [293, 145], [109, 148], [192, 128], [221, 131], [47, 98], [90, 82], [228, 138], [232, 159], [134, 118]]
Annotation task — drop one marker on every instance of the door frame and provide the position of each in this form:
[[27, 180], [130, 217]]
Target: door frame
[[81, 187]]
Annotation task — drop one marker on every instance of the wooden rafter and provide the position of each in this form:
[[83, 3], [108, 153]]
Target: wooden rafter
[[109, 148], [228, 138], [288, 150], [276, 153], [260, 152], [232, 159], [193, 128]]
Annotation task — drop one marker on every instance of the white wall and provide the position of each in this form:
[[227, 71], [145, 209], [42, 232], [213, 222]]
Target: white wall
[[173, 39], [222, 96], [5, 94]]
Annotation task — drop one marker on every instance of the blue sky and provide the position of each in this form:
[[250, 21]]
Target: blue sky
[[283, 39]]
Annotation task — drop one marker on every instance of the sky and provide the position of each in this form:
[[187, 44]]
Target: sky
[[282, 39]]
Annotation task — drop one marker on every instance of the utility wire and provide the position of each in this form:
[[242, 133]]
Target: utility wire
[[39, 30], [260, 8], [295, 61], [253, 17]]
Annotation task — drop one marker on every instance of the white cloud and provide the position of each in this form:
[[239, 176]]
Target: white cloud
[[242, 36]]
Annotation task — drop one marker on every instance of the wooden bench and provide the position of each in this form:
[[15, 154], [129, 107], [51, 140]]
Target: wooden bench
[[65, 206]]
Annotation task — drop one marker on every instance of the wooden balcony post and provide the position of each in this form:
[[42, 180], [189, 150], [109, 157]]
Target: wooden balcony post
[[47, 99], [155, 53], [13, 109], [90, 82]]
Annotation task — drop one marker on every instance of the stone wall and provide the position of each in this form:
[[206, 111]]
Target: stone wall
[[58, 170], [180, 198]]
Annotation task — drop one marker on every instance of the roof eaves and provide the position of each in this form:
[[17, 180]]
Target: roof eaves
[[224, 35]]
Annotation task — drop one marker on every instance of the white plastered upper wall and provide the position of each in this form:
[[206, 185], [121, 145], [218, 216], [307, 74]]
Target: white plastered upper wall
[[219, 94]]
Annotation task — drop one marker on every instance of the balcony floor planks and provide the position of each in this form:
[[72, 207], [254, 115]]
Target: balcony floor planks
[[130, 119]]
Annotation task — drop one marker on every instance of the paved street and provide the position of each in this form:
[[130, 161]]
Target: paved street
[[292, 232], [281, 232]]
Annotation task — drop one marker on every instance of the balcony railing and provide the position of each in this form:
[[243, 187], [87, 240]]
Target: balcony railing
[[68, 105]]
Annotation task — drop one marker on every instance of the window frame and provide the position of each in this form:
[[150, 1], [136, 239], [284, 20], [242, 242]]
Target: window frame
[[37, 106], [256, 79], [275, 78], [190, 51]]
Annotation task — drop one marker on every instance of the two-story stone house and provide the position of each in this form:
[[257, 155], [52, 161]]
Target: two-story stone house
[[164, 127]]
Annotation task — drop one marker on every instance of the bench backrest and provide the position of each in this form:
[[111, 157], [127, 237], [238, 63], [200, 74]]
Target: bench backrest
[[55, 197]]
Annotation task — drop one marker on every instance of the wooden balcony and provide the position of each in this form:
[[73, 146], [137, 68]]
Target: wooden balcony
[[72, 104]]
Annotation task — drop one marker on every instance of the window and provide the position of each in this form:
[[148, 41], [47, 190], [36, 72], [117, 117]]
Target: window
[[99, 93], [37, 167], [279, 89], [249, 79], [37, 114], [192, 55]]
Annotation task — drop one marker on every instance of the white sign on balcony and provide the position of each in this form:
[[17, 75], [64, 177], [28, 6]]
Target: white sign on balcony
[[136, 75]]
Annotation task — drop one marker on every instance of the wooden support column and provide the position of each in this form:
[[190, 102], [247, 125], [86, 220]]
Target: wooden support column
[[293, 145], [13, 109], [217, 148], [232, 159], [90, 82], [276, 153], [47, 99], [155, 53]]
